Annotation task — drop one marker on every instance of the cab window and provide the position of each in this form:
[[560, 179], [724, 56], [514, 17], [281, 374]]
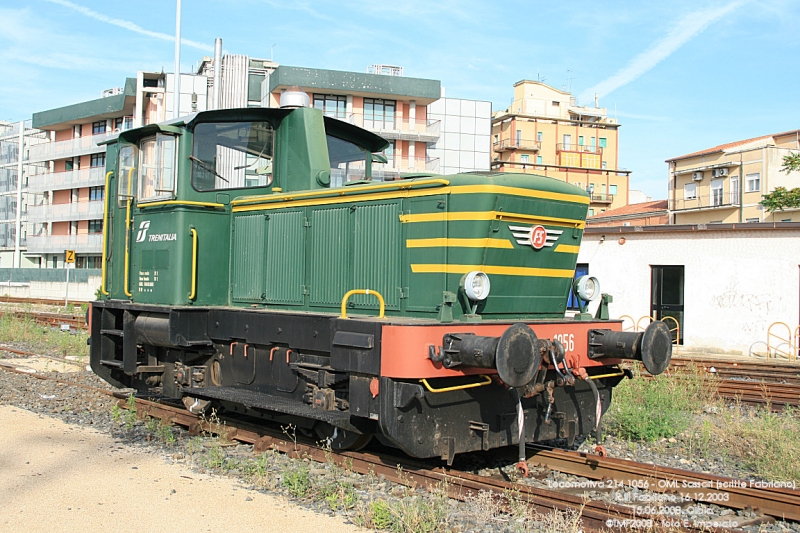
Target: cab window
[[157, 168], [348, 161], [232, 155], [126, 174]]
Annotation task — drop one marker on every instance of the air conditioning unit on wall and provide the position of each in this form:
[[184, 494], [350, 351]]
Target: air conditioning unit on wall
[[719, 172], [697, 176]]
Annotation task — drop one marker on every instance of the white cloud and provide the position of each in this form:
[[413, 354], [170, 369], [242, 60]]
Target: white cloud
[[682, 32], [130, 25]]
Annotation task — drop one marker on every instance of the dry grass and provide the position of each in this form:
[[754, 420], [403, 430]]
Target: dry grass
[[37, 337]]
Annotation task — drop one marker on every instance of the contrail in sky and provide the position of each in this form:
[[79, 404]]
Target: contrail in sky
[[682, 32], [130, 25]]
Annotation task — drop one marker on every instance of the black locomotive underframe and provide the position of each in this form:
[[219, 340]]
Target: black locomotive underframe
[[305, 369]]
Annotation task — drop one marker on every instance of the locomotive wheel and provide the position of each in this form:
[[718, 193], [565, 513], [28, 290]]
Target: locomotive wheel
[[340, 439]]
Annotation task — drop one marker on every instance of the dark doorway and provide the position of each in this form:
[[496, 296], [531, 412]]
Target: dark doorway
[[666, 300]]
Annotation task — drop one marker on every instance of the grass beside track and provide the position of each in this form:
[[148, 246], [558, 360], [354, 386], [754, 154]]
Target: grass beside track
[[683, 406], [48, 340]]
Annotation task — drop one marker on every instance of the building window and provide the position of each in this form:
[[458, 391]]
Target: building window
[[556, 103], [69, 165], [539, 136], [734, 190], [331, 105], [95, 226], [496, 139], [567, 141], [612, 189], [524, 158], [98, 160], [96, 193], [379, 113], [98, 127], [602, 142], [751, 220], [580, 140], [539, 159], [591, 141], [604, 164], [591, 211], [753, 182], [716, 192], [118, 123], [690, 191]]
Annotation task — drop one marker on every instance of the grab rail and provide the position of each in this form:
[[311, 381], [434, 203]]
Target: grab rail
[[128, 293], [105, 235], [193, 294], [486, 381], [366, 292]]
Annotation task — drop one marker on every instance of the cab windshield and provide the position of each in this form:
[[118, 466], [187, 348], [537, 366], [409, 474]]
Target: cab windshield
[[232, 155]]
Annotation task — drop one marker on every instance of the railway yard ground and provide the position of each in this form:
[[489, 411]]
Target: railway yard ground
[[179, 473]]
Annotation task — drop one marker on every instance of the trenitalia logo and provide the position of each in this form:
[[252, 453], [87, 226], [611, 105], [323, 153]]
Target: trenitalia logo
[[143, 227]]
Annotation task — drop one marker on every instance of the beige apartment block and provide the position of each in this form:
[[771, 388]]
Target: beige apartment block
[[545, 132], [725, 184]]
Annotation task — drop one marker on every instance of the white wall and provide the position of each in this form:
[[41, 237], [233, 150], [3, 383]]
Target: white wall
[[737, 282], [464, 144]]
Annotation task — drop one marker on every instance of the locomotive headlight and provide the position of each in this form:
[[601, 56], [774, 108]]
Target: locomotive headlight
[[588, 288], [476, 285]]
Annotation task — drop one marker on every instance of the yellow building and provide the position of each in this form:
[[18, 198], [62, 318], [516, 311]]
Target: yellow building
[[725, 184], [545, 132]]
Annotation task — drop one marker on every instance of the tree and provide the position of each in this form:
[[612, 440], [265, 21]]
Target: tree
[[782, 198]]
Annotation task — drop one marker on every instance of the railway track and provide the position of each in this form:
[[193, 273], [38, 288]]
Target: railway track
[[770, 502]]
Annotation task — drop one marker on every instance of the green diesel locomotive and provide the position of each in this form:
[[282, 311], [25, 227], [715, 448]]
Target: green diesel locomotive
[[252, 265]]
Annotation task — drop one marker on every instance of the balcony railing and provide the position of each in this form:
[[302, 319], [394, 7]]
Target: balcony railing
[[89, 243], [71, 179], [516, 144], [571, 147], [600, 198], [705, 202], [71, 148], [402, 128], [66, 212]]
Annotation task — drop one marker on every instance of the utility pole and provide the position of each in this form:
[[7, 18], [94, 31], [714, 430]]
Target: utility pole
[[177, 102]]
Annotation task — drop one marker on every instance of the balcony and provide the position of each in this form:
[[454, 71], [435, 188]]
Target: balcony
[[88, 243], [72, 179], [71, 148], [404, 129], [714, 201], [599, 198], [516, 144], [66, 212], [579, 148]]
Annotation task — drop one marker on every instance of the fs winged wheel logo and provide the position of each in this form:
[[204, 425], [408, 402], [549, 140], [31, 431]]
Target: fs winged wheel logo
[[537, 237]]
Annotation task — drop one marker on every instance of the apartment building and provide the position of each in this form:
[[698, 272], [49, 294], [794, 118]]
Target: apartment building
[[725, 183], [65, 204], [545, 132], [16, 138], [426, 133]]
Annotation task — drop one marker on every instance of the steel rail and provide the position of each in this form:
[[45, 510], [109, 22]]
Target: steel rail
[[780, 503]]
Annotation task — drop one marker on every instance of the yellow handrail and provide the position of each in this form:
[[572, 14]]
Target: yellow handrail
[[774, 350], [362, 291], [127, 246], [633, 323], [638, 322], [488, 381], [105, 236], [194, 264], [677, 329], [185, 203], [614, 375]]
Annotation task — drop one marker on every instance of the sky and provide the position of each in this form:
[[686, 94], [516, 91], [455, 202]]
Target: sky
[[680, 76]]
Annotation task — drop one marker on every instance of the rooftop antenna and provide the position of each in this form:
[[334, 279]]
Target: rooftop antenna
[[271, 48], [569, 78]]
